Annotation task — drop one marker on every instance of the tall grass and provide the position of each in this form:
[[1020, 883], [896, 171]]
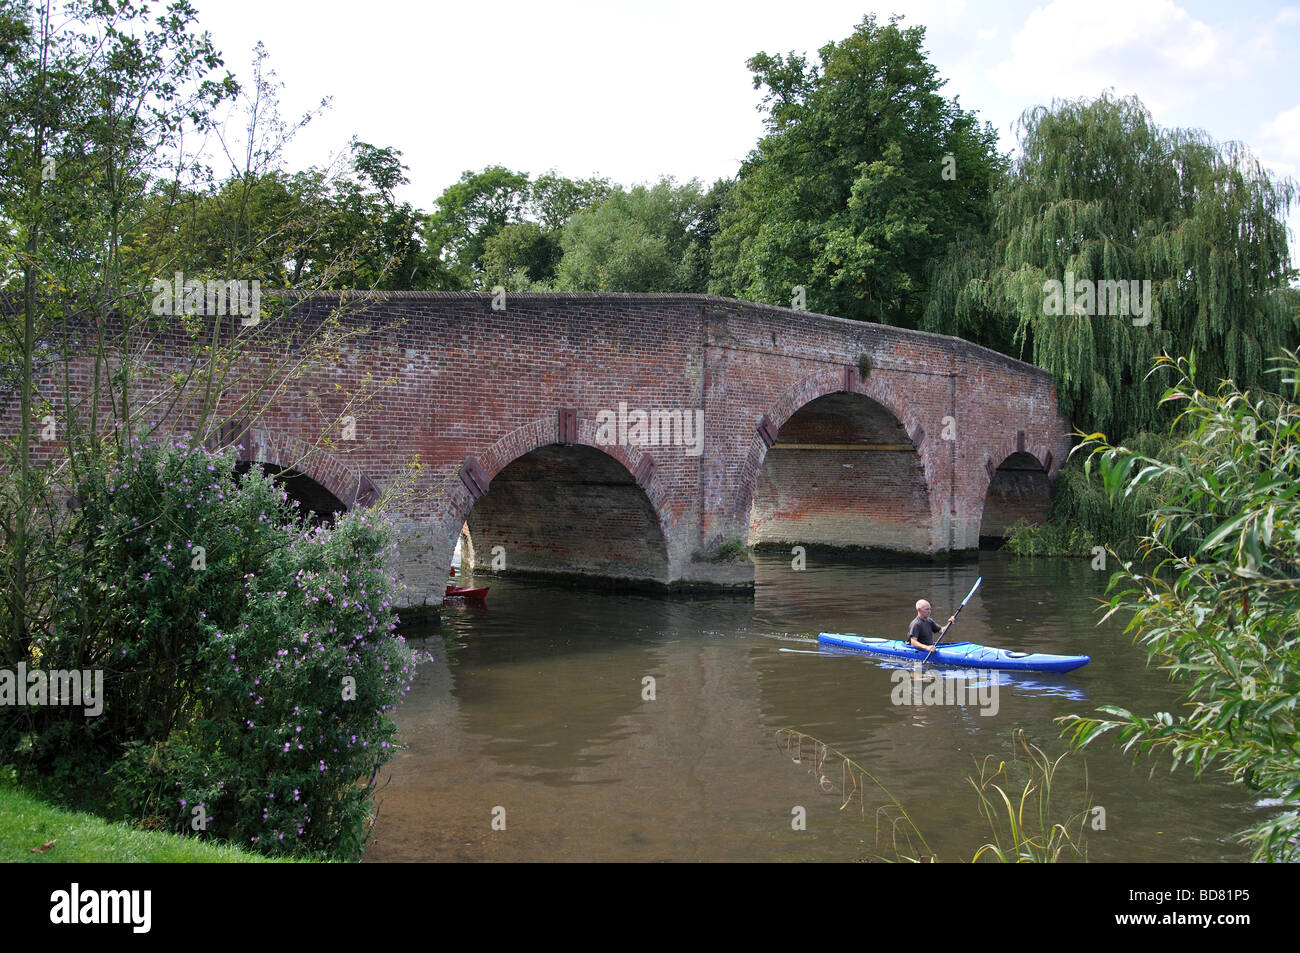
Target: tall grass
[[1020, 813], [1021, 824]]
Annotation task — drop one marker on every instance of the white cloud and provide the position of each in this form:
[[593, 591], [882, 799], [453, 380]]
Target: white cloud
[[1281, 135], [1151, 48]]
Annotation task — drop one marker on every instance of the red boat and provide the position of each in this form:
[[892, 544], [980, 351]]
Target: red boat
[[480, 594]]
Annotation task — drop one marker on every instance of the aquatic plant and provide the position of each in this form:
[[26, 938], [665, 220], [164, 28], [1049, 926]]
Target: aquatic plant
[[1021, 824]]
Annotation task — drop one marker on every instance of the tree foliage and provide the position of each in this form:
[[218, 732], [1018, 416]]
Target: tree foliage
[[1220, 609], [521, 257], [469, 213], [864, 176], [91, 95], [97, 199], [646, 238], [290, 230], [248, 663], [1101, 192], [501, 227]]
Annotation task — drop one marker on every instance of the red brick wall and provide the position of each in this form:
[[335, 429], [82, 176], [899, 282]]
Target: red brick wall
[[455, 379], [864, 499]]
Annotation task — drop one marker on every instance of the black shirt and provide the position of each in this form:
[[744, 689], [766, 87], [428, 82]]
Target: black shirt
[[922, 630]]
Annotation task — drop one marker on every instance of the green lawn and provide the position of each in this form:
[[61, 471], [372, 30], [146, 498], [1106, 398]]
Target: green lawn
[[26, 822]]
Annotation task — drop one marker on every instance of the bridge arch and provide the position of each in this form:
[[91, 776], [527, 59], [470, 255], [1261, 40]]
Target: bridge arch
[[285, 454], [610, 522], [1007, 447], [1017, 486], [849, 439]]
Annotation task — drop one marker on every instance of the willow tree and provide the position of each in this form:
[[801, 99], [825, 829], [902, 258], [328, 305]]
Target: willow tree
[[865, 174], [1101, 195]]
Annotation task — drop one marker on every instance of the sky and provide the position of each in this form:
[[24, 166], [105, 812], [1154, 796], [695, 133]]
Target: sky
[[636, 91]]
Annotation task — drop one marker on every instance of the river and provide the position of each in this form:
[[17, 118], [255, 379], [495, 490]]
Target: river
[[557, 723]]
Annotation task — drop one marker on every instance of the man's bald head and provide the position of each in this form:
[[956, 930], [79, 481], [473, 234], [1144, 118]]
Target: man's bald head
[[922, 605]]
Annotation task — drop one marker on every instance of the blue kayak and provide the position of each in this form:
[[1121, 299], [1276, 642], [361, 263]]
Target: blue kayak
[[965, 654]]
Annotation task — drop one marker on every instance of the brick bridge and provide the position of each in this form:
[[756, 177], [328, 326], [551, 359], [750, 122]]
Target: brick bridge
[[816, 431]]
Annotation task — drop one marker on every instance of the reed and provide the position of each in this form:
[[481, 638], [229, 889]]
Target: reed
[[1019, 813]]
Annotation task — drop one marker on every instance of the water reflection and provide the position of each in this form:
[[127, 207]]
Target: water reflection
[[538, 703]]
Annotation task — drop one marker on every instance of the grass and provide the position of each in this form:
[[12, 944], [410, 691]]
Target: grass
[[732, 551], [1015, 800], [32, 831], [1049, 539], [1030, 833]]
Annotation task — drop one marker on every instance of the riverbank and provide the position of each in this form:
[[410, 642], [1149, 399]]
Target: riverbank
[[34, 831]]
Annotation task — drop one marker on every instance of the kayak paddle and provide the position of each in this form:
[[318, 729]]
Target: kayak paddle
[[954, 618]]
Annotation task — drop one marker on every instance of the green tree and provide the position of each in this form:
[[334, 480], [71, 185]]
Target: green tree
[[1102, 193], [368, 229], [498, 227], [554, 199], [521, 257], [1219, 604], [642, 239], [865, 174], [90, 96], [255, 226], [309, 229], [300, 230], [468, 214], [98, 99]]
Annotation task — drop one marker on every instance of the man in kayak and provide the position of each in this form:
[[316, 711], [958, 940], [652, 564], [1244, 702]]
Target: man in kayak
[[921, 634]]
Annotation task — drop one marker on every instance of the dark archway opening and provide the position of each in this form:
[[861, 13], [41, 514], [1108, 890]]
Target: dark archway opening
[[1020, 493], [567, 511], [317, 506]]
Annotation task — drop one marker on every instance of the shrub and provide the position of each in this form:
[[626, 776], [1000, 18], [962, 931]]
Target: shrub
[[1220, 606], [1083, 516], [249, 662]]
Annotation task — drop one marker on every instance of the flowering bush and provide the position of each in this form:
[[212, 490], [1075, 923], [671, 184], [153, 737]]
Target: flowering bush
[[250, 663]]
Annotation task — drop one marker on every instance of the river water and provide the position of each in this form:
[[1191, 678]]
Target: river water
[[557, 723]]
